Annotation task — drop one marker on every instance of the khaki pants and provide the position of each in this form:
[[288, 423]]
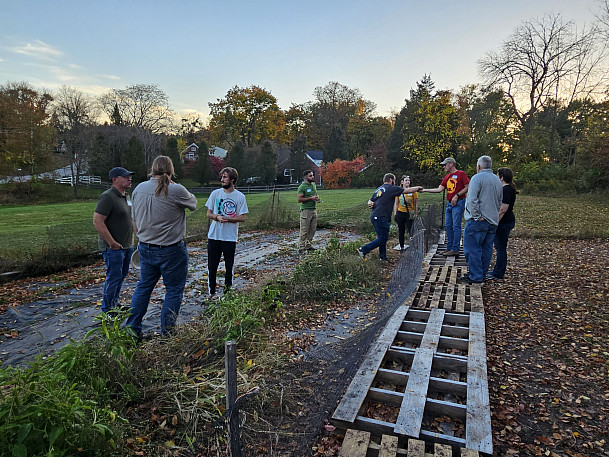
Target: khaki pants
[[308, 225]]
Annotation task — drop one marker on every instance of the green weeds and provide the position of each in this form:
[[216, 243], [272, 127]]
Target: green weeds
[[336, 272], [60, 406]]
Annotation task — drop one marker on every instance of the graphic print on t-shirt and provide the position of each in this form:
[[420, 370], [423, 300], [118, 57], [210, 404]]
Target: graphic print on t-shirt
[[451, 184], [226, 207]]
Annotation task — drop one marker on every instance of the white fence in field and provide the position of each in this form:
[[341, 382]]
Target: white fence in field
[[83, 179]]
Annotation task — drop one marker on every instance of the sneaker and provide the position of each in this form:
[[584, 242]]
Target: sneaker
[[490, 277], [361, 253], [384, 260], [466, 280], [450, 253]]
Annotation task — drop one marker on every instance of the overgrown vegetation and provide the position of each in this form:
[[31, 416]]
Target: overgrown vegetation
[[334, 273], [107, 396]]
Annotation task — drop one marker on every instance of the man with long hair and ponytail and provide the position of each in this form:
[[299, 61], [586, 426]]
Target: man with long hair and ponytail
[[160, 223]]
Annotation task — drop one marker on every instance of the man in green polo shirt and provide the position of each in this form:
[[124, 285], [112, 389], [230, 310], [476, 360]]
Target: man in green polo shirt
[[112, 220], [307, 197]]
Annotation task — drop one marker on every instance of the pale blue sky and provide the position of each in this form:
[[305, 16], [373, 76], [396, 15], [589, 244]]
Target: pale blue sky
[[195, 51]]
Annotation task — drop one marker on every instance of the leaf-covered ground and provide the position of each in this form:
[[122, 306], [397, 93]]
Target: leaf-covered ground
[[547, 330]]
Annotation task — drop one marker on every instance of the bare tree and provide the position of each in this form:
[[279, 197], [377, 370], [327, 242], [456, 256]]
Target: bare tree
[[603, 17], [75, 113], [143, 106], [545, 61]]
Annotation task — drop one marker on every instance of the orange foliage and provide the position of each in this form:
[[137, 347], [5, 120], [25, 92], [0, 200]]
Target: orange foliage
[[338, 174]]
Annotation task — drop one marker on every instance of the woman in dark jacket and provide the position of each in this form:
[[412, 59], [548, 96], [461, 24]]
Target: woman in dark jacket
[[506, 223]]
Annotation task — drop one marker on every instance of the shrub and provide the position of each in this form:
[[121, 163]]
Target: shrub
[[334, 272]]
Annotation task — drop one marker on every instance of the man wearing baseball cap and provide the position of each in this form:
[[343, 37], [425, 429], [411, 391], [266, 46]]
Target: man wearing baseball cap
[[112, 220], [456, 183]]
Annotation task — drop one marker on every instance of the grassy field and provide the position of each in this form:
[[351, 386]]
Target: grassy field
[[586, 216], [27, 231], [31, 227]]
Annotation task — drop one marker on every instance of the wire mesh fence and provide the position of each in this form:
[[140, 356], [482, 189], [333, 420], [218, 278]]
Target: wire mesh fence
[[319, 381]]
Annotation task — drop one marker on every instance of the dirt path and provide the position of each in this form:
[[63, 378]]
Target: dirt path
[[45, 325]]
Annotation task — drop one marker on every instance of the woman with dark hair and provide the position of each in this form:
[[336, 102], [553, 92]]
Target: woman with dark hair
[[401, 210], [506, 223]]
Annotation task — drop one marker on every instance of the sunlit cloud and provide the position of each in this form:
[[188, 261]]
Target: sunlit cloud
[[62, 75], [111, 77], [39, 49]]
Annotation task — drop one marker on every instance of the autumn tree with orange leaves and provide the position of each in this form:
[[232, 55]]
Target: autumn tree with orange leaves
[[338, 174]]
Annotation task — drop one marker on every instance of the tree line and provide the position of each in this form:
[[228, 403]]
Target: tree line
[[541, 109]]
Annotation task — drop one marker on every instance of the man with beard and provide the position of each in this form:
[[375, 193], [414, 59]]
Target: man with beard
[[226, 207], [307, 197]]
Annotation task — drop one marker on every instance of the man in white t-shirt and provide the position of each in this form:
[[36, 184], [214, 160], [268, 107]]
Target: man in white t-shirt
[[226, 207]]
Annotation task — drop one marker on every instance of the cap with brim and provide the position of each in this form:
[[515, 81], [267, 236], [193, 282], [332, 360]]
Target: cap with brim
[[448, 160], [119, 171]]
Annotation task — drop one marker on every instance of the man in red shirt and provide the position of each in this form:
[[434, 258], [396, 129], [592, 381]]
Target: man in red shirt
[[456, 183]]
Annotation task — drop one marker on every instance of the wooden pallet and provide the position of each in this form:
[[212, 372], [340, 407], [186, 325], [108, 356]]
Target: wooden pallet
[[358, 443], [428, 365]]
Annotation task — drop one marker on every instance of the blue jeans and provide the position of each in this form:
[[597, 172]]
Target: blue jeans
[[501, 241], [452, 223], [381, 226], [172, 264], [478, 238], [117, 268]]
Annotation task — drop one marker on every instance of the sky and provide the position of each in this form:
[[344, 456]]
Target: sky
[[196, 50]]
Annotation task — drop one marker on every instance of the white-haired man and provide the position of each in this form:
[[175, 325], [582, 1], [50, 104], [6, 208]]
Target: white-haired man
[[482, 205]]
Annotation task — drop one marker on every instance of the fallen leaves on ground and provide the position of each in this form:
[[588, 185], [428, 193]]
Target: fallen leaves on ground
[[548, 349]]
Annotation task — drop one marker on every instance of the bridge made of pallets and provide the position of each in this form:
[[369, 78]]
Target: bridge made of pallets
[[425, 377]]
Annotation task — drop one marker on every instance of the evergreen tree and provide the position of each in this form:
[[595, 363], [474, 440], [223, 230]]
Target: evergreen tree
[[336, 147], [171, 150], [246, 167], [133, 159], [203, 165], [99, 162], [298, 159], [236, 158], [115, 118], [430, 125], [268, 163]]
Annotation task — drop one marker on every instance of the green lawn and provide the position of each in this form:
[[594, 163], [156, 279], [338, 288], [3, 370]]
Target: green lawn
[[26, 231]]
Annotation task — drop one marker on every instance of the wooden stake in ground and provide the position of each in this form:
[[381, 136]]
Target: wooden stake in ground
[[232, 410]]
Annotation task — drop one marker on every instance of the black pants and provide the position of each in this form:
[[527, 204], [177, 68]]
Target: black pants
[[403, 220], [215, 249]]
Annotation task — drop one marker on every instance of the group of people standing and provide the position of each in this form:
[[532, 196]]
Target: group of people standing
[[157, 214], [487, 202]]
